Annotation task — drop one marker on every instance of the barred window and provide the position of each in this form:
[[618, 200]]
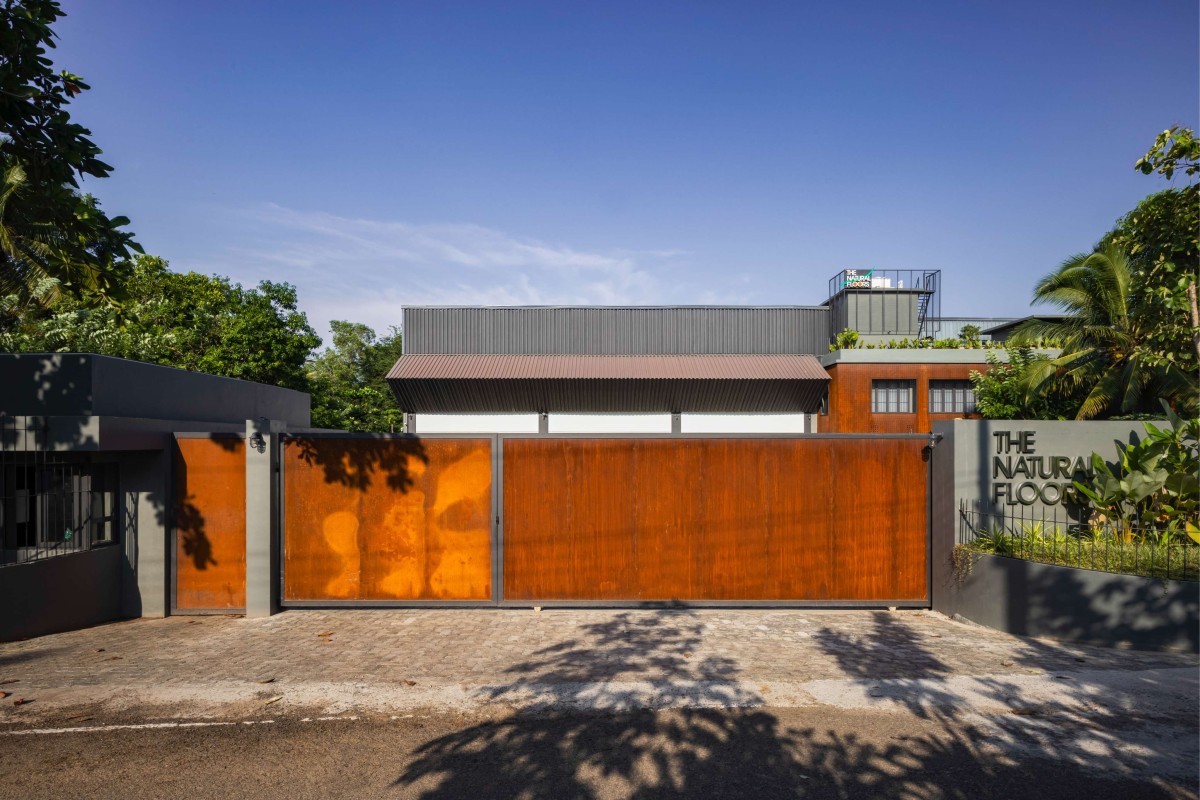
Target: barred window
[[892, 397], [56, 503], [951, 397]]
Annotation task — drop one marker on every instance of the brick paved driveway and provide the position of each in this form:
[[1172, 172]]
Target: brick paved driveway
[[512, 694], [403, 659]]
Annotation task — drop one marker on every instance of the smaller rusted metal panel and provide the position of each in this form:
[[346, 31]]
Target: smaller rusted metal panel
[[210, 524], [878, 491], [387, 519]]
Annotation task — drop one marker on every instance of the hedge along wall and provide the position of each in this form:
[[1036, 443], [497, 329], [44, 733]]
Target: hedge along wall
[[1020, 468]]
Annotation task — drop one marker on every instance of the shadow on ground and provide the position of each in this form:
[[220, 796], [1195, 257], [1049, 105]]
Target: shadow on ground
[[740, 748]]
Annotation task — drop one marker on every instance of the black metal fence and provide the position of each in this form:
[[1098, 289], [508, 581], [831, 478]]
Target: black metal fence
[[1062, 537], [54, 504]]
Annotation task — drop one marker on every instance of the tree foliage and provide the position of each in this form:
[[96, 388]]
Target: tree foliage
[[191, 321], [1163, 241], [348, 380], [1000, 390], [1153, 483], [1174, 148], [49, 230], [1106, 350]]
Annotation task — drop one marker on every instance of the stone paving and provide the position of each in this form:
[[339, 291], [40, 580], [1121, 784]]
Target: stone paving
[[503, 649], [988, 697]]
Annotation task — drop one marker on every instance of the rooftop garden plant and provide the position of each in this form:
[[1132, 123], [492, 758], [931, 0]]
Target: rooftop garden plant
[[852, 340]]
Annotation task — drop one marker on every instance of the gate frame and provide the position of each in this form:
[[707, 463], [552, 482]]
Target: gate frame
[[497, 526]]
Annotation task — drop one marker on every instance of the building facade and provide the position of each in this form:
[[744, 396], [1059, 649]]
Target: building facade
[[88, 482], [690, 369]]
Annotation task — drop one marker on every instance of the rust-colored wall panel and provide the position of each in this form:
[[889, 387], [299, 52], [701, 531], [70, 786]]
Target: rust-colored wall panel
[[802, 538], [210, 524], [387, 519], [850, 397], [879, 496], [714, 519]]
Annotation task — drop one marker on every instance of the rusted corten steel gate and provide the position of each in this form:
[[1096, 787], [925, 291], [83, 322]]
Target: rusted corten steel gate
[[209, 558], [521, 520]]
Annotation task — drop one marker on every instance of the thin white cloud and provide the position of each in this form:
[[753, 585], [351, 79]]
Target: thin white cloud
[[365, 270]]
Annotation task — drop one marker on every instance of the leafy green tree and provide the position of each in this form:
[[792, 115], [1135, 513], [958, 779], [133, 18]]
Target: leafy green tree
[[1162, 238], [48, 229], [191, 321], [1174, 148], [1106, 350], [348, 380], [1000, 390]]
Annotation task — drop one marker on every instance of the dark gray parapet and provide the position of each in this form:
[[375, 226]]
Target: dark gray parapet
[[86, 385], [1028, 598]]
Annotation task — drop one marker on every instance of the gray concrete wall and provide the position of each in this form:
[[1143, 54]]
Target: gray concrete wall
[[1038, 452], [1076, 605], [262, 518], [146, 492], [1034, 599], [913, 355], [55, 384], [81, 384], [60, 593]]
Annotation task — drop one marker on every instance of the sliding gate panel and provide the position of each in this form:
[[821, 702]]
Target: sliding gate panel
[[210, 523], [387, 519], [740, 519]]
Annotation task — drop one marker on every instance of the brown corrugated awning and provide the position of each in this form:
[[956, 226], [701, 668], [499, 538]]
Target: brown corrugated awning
[[582, 383]]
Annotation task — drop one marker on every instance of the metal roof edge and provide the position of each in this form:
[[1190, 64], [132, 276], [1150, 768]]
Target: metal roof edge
[[719, 306]]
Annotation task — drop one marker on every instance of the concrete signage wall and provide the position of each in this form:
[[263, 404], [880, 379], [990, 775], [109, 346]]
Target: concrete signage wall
[[1022, 468]]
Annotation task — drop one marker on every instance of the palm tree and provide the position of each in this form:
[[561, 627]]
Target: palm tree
[[1104, 349], [27, 252], [54, 240]]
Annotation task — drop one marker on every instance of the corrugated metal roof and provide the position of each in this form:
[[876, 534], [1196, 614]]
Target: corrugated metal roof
[[633, 330], [514, 384], [675, 367]]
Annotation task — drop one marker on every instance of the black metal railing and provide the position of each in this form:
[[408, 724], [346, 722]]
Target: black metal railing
[[54, 504], [1059, 536]]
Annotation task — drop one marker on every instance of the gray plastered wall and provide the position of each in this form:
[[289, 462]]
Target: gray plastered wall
[[1028, 598]]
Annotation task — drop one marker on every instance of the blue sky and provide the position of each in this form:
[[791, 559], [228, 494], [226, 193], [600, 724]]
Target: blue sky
[[380, 154]]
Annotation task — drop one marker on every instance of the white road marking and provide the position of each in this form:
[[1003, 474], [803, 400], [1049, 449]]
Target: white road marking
[[99, 728], [135, 727]]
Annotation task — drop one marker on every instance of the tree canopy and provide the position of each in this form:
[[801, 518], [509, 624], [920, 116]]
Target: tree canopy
[[1106, 350], [54, 240], [197, 322], [1000, 390], [1162, 237], [348, 380]]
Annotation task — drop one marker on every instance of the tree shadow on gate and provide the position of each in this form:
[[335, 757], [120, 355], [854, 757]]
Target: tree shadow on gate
[[356, 462], [595, 731]]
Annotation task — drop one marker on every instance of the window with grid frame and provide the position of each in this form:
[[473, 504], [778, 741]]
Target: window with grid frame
[[893, 397], [951, 397]]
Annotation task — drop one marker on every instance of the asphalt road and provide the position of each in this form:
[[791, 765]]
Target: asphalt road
[[699, 753]]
